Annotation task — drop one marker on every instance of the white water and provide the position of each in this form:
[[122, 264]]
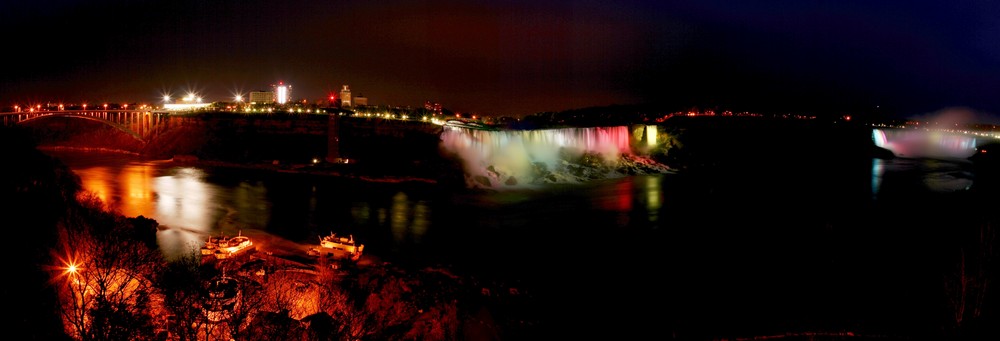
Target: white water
[[914, 143], [517, 154]]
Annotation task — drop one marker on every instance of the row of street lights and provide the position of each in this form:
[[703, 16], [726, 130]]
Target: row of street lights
[[62, 107]]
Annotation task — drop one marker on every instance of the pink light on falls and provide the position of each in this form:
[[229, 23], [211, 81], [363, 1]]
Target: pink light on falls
[[518, 154]]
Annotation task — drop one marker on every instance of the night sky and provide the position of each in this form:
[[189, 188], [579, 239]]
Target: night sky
[[513, 58]]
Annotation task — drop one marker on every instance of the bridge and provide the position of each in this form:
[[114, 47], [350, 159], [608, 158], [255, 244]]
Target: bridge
[[143, 125]]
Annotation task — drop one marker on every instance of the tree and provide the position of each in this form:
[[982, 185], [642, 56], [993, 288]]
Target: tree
[[181, 287], [107, 278]]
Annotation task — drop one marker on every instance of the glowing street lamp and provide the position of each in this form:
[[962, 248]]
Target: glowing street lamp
[[166, 98]]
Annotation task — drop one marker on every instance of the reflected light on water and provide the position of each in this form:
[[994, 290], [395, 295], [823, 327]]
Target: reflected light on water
[[184, 206], [95, 180], [421, 220], [878, 168], [400, 213], [654, 197], [250, 201], [181, 202], [185, 200], [409, 220], [138, 196], [361, 212]]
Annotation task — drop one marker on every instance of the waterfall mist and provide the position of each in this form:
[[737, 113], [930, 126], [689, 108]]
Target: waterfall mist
[[515, 158]]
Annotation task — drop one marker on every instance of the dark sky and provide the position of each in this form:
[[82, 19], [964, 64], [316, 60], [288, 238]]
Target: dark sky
[[507, 57]]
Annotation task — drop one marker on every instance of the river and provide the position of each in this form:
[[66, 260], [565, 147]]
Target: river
[[729, 252]]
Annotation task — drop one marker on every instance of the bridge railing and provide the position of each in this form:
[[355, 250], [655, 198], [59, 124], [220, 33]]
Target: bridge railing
[[141, 124]]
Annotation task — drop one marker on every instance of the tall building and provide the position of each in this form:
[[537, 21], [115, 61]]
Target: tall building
[[345, 97], [282, 92]]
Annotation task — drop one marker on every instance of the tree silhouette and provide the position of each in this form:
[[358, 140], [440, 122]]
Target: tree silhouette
[[107, 276]]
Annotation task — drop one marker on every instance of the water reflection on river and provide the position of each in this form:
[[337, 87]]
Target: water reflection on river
[[702, 248], [401, 222], [405, 220]]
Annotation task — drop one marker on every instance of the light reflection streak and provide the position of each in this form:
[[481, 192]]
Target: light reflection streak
[[361, 212], [181, 202], [400, 213], [878, 168], [654, 197], [250, 199], [95, 180], [187, 199], [138, 198], [409, 220], [185, 207]]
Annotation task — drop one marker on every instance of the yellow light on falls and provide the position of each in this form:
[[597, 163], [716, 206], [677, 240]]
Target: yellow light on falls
[[650, 135]]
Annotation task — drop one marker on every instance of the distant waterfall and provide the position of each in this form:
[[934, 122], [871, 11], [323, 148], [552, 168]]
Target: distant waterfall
[[918, 143], [521, 155]]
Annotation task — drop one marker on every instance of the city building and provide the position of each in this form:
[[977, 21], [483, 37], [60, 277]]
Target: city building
[[360, 100], [282, 92], [261, 97], [435, 107], [345, 97]]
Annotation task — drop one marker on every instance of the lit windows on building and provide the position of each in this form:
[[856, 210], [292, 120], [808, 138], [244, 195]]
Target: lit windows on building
[[261, 97], [345, 96], [282, 93]]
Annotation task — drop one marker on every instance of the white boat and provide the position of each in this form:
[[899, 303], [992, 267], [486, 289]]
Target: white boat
[[335, 244], [223, 247], [212, 244]]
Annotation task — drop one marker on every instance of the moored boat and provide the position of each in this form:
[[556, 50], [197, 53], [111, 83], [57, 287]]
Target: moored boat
[[212, 244], [334, 244], [223, 247]]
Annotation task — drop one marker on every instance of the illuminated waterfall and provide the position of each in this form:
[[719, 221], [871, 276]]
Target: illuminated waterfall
[[914, 143], [515, 157]]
